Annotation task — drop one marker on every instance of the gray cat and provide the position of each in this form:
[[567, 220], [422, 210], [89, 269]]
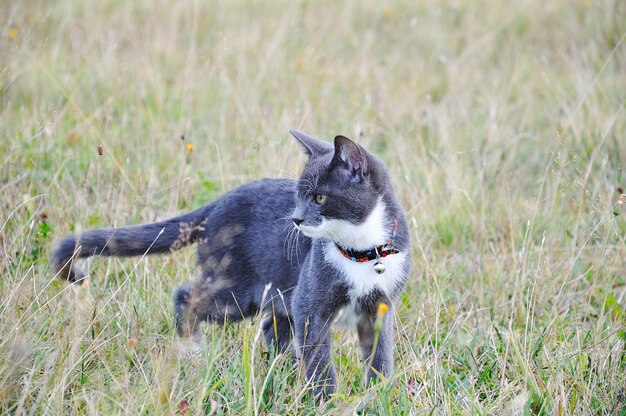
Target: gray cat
[[328, 248]]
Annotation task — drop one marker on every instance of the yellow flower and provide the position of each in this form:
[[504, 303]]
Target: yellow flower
[[382, 309], [12, 33], [189, 147]]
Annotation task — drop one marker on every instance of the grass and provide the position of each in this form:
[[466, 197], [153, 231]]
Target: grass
[[502, 123]]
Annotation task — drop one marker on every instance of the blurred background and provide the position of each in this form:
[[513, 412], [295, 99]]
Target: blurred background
[[503, 125]]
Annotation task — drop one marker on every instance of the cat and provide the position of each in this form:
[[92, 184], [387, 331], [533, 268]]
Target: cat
[[327, 248]]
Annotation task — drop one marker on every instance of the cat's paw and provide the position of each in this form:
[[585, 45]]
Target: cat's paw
[[188, 347]]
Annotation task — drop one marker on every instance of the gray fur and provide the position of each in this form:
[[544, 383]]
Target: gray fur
[[253, 258]]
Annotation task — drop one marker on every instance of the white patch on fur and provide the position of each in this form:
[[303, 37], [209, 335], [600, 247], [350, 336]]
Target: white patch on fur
[[371, 232], [310, 231], [362, 279]]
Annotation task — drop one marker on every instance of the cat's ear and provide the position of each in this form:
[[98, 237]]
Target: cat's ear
[[350, 156], [310, 145]]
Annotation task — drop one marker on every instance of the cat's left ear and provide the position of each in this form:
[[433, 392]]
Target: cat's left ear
[[350, 156], [310, 145]]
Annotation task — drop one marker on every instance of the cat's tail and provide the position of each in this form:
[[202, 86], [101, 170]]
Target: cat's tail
[[136, 240]]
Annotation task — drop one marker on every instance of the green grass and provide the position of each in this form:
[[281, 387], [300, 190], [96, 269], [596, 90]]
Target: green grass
[[503, 124]]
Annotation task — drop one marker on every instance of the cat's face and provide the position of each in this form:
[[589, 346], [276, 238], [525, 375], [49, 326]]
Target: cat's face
[[335, 193]]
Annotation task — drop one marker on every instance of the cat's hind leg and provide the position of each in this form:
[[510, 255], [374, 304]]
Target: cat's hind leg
[[205, 301], [186, 320]]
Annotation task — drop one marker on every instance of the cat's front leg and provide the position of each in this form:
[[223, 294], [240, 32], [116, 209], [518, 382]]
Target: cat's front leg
[[277, 331], [313, 336], [379, 357]]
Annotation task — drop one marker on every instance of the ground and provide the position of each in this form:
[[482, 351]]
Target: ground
[[503, 125]]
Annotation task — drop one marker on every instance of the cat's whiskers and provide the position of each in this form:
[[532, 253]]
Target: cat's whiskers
[[294, 246], [289, 227], [286, 243], [292, 243], [297, 245], [289, 241], [284, 218]]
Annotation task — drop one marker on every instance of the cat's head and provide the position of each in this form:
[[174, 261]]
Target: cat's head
[[340, 193]]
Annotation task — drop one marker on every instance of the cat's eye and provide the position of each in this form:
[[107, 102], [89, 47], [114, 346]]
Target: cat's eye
[[320, 199]]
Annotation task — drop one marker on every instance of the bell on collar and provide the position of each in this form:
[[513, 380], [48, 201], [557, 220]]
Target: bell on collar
[[379, 267]]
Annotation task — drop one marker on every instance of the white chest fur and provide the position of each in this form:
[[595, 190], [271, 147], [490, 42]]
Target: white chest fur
[[362, 279]]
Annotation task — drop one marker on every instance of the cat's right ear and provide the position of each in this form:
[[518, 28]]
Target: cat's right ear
[[310, 145]]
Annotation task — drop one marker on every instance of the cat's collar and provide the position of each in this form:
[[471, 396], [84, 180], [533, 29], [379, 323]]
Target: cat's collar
[[375, 253]]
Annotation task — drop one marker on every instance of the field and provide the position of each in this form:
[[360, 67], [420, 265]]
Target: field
[[503, 125]]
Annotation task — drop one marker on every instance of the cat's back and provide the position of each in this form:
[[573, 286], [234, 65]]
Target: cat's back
[[249, 210], [263, 197]]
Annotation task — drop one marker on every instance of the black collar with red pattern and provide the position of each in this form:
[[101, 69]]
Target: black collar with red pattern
[[374, 253], [368, 255]]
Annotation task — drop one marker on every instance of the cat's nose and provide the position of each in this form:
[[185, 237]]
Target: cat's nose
[[297, 220]]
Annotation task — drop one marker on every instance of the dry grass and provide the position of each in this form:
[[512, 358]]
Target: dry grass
[[503, 124]]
